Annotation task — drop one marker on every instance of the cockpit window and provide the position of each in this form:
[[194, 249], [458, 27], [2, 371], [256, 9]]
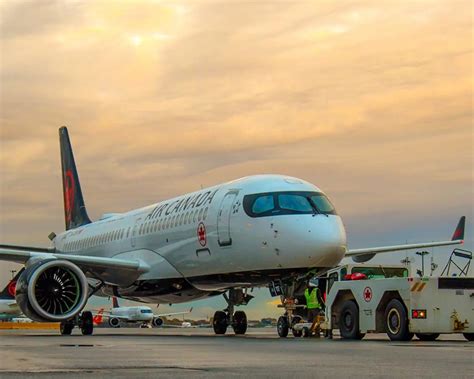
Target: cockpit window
[[322, 203], [296, 203], [263, 204], [145, 310], [284, 203]]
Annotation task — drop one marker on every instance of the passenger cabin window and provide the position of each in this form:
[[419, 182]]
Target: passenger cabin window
[[286, 203]]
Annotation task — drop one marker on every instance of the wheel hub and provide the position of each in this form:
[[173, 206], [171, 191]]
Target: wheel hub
[[393, 319], [348, 321]]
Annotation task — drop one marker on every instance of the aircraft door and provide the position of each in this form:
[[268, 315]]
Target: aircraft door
[[133, 234], [224, 237]]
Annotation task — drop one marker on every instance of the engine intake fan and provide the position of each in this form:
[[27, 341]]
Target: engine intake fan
[[53, 290]]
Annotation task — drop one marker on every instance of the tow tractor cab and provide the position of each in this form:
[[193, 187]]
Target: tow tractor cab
[[363, 271], [386, 299]]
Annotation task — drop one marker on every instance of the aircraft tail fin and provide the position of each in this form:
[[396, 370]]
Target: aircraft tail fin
[[459, 231], [97, 319], [8, 292], [115, 303], [75, 212]]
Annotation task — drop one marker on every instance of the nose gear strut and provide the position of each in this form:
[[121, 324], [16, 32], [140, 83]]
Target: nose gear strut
[[289, 302]]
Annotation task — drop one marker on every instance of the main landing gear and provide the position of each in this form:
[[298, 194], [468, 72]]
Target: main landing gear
[[238, 320], [84, 322]]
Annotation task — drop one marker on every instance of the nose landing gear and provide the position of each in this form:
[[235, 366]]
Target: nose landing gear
[[238, 320], [288, 301]]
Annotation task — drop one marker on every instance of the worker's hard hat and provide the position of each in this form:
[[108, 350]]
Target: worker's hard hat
[[313, 282]]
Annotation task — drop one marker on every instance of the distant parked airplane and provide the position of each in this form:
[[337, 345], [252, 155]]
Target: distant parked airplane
[[136, 314], [9, 309]]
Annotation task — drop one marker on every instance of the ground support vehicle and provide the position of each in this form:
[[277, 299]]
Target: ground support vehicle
[[363, 299]]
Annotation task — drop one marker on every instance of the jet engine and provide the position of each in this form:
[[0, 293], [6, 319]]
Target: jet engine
[[52, 290], [114, 322], [157, 322]]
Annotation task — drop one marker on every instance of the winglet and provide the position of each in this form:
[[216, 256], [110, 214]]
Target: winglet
[[459, 231], [115, 303]]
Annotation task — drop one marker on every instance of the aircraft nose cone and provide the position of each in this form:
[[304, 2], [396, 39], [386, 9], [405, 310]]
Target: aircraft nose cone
[[329, 241], [320, 242]]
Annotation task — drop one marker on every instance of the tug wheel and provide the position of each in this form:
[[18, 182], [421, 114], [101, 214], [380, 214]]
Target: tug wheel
[[282, 326], [396, 322], [349, 321]]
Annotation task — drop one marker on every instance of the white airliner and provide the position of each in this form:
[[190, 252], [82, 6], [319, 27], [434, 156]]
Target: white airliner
[[136, 314], [258, 231]]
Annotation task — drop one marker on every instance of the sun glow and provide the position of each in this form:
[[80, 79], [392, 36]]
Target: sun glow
[[136, 40]]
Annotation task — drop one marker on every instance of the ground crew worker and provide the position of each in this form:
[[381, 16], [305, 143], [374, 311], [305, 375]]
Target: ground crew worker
[[314, 300]]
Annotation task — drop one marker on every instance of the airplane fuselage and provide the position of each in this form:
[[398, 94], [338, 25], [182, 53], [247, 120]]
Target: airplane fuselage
[[244, 233], [133, 314]]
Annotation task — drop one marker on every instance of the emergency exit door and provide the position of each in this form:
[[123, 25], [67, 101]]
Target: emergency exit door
[[223, 219], [133, 234]]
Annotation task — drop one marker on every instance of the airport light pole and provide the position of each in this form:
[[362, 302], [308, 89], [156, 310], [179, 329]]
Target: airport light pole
[[422, 254]]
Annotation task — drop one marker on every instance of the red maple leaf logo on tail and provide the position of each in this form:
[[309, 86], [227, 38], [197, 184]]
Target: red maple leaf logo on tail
[[69, 190]]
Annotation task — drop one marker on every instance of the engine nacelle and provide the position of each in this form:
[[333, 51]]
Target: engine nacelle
[[52, 290], [157, 322], [114, 322]]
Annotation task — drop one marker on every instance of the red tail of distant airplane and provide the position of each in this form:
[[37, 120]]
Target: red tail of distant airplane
[[97, 319]]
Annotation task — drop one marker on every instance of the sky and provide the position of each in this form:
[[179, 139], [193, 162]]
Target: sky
[[372, 101]]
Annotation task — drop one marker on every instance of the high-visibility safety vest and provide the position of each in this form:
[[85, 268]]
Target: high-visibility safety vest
[[312, 301]]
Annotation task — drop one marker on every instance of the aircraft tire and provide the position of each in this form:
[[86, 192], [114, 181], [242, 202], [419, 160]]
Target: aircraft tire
[[349, 321], [296, 320], [469, 336], [66, 327], [427, 336], [240, 322], [219, 322], [87, 323], [306, 332], [282, 326], [396, 321]]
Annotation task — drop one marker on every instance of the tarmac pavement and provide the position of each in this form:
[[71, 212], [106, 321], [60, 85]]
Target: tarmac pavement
[[198, 353]]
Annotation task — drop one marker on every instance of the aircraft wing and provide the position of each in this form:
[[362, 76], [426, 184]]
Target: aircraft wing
[[105, 268], [175, 313], [363, 255]]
